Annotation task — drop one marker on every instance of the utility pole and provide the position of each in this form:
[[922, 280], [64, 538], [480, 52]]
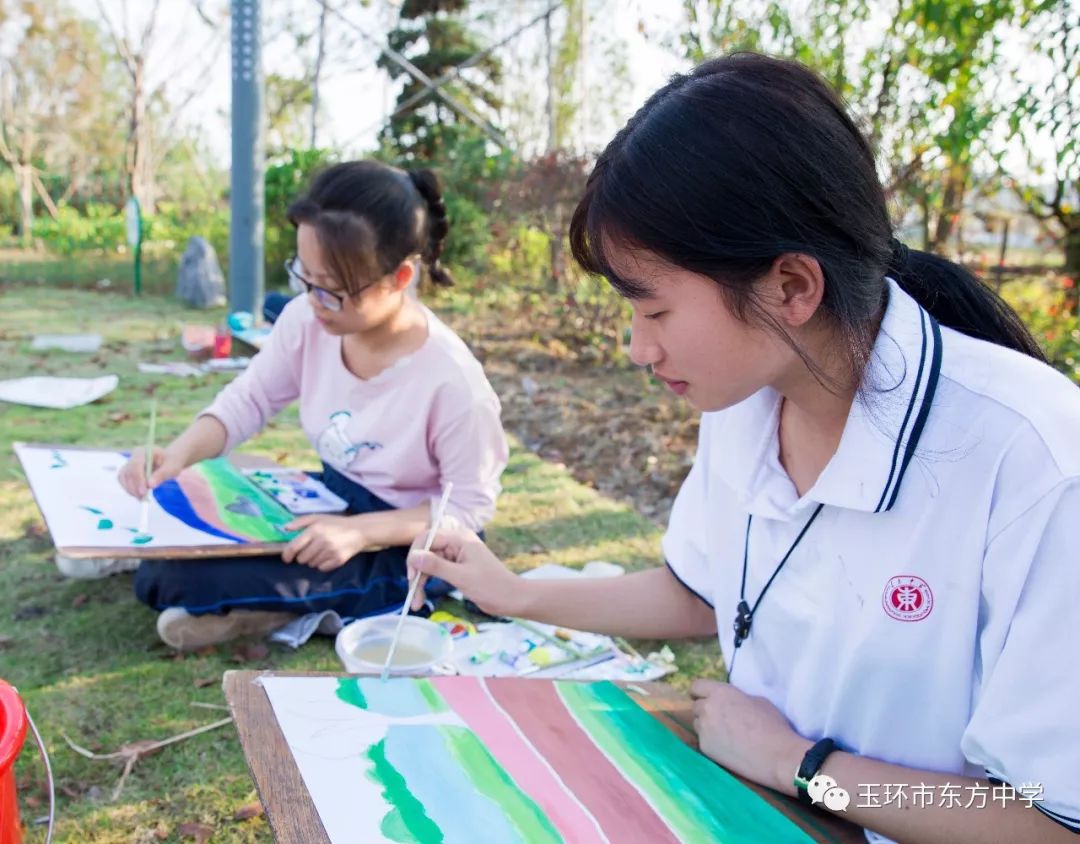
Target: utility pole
[[246, 204]]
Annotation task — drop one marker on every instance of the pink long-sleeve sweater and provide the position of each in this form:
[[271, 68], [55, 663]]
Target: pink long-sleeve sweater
[[430, 418]]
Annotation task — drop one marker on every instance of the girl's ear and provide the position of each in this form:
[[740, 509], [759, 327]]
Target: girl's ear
[[403, 275], [794, 288]]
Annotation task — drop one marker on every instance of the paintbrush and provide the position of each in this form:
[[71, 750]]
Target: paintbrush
[[570, 664], [549, 637], [626, 646], [416, 580], [148, 468]]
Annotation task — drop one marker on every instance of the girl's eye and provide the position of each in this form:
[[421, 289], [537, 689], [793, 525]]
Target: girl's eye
[[656, 315]]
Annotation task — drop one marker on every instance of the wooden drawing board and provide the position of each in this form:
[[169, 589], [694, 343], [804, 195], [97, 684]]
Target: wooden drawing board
[[293, 815]]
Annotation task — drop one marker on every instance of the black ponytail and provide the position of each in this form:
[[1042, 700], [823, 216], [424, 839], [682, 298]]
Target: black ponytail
[[747, 158], [370, 217], [427, 182], [956, 298]]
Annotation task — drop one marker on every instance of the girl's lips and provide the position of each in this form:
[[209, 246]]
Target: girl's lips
[[677, 387]]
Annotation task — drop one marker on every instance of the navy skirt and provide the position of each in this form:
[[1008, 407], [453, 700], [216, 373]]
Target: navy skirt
[[371, 582]]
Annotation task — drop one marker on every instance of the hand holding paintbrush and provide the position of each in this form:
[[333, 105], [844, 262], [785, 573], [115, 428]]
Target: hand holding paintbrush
[[439, 511], [148, 470]]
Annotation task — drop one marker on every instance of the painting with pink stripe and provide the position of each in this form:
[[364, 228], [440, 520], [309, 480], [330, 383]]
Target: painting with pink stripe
[[470, 759]]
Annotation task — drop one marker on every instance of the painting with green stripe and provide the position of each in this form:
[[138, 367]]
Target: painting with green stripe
[[210, 508], [512, 761]]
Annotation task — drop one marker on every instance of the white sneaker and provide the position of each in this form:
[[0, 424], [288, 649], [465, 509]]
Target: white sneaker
[[94, 568], [178, 629]]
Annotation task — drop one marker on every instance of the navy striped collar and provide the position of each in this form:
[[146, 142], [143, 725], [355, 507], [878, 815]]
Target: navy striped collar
[[881, 437], [918, 409]]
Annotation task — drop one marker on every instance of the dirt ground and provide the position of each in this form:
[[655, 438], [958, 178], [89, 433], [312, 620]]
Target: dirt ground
[[611, 425]]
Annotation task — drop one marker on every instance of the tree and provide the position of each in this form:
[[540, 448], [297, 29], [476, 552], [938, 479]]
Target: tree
[[1050, 112], [285, 178], [956, 61], [153, 113], [316, 74], [556, 125], [541, 192], [134, 52], [915, 72], [53, 108], [319, 46], [547, 176], [288, 104], [435, 38]]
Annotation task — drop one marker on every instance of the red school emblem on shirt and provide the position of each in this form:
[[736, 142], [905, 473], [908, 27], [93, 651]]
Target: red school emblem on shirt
[[907, 597]]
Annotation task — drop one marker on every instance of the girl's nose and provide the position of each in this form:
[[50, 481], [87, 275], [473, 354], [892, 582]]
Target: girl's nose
[[644, 350]]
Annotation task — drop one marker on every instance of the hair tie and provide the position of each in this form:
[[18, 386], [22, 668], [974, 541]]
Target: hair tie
[[900, 252]]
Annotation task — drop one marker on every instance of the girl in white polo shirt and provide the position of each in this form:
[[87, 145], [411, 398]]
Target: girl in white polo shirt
[[880, 523]]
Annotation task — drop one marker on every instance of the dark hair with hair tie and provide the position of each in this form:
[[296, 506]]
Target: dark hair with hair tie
[[747, 158], [429, 185], [370, 217]]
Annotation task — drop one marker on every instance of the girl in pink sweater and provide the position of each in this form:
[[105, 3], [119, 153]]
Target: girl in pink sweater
[[392, 400]]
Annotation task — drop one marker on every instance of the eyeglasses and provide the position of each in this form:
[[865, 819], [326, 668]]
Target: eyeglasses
[[326, 298]]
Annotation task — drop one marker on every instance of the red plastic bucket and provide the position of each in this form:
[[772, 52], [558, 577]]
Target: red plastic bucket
[[12, 734]]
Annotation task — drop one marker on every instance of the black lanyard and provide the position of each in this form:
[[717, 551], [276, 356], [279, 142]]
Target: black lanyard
[[744, 613]]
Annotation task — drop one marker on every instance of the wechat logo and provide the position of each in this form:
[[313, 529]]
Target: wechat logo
[[824, 789]]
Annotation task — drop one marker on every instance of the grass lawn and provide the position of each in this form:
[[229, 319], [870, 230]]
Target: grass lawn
[[95, 271], [84, 655]]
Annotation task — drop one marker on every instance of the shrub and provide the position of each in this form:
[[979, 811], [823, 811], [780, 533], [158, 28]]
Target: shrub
[[285, 179], [101, 228], [1044, 305]]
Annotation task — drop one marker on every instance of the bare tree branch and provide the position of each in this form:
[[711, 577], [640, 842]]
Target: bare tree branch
[[319, 56], [201, 12], [44, 194], [121, 43], [1055, 203], [148, 30], [1038, 206], [171, 136], [908, 171]]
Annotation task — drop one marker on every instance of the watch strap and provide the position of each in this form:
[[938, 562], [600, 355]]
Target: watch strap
[[811, 764]]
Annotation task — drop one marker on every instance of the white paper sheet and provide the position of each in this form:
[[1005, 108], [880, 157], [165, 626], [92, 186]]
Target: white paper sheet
[[67, 342], [329, 740], [56, 393]]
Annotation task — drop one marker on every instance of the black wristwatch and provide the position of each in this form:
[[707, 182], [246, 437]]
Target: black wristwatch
[[811, 764]]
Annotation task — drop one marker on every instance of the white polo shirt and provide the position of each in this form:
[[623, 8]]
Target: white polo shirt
[[929, 617]]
